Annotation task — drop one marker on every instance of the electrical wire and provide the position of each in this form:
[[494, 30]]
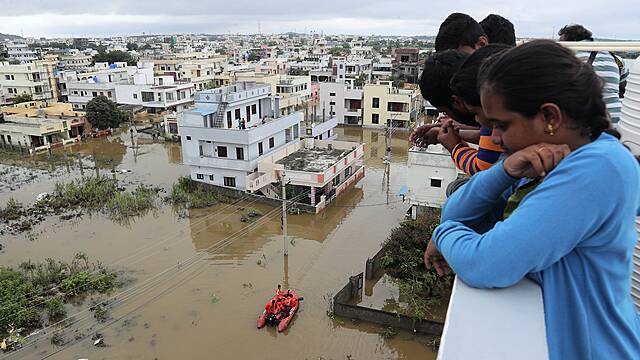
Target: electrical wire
[[191, 261]]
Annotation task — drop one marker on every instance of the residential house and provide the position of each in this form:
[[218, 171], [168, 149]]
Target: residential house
[[75, 61], [382, 69], [406, 64], [34, 133], [319, 171], [430, 171], [385, 105], [21, 52], [35, 79], [341, 101], [135, 86], [231, 129]]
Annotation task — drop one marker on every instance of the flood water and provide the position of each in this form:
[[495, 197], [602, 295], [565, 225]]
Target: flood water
[[199, 284]]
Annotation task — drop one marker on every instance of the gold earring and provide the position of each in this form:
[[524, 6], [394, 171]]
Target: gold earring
[[550, 130]]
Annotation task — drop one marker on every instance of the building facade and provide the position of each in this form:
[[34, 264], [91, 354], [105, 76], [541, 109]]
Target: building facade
[[35, 79], [21, 52], [231, 129], [341, 101], [406, 64], [385, 105]]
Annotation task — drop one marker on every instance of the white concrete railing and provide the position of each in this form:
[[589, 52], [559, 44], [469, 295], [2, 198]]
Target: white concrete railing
[[601, 45], [495, 324]]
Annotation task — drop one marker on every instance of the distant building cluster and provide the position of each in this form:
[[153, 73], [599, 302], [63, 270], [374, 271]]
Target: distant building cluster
[[249, 110]]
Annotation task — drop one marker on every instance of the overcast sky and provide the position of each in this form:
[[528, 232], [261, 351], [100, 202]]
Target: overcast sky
[[535, 18]]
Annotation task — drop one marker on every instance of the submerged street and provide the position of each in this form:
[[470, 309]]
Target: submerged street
[[201, 277]]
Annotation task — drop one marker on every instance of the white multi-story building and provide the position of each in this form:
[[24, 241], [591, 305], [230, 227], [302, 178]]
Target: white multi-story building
[[294, 93], [352, 69], [341, 101], [430, 170], [35, 79], [231, 129], [382, 69], [132, 86], [75, 61], [201, 74], [21, 52]]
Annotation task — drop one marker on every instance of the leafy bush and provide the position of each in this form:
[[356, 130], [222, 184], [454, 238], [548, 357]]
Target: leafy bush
[[55, 308], [13, 210], [103, 281], [16, 295], [76, 283], [125, 204], [35, 288], [192, 194], [403, 254], [90, 192]]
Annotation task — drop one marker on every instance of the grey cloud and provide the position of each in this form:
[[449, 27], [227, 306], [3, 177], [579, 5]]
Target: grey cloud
[[532, 18]]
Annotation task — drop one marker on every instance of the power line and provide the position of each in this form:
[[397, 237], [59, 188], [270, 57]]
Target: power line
[[131, 292], [218, 245], [146, 247]]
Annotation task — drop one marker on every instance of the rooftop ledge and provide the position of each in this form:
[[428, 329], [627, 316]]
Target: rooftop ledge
[[495, 323]]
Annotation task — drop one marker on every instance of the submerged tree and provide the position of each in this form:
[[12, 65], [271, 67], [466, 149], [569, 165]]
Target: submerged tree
[[102, 113]]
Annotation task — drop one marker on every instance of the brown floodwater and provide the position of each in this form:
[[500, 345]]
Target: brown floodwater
[[199, 284]]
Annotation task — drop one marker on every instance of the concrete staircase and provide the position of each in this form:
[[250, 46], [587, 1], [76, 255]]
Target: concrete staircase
[[271, 191]]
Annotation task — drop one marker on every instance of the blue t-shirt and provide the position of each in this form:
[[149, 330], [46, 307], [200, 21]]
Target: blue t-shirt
[[574, 235]]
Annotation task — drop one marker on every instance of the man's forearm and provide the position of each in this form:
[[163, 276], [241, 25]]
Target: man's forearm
[[470, 135]]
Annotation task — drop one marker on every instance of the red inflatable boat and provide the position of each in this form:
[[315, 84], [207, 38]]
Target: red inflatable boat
[[280, 310]]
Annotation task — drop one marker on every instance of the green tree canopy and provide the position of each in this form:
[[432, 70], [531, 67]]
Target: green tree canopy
[[22, 98], [114, 56], [132, 46], [102, 113], [253, 56]]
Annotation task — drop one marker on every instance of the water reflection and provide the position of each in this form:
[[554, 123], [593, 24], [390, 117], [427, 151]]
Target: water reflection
[[214, 227]]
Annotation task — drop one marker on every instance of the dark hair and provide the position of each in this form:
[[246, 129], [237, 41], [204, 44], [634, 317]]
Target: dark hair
[[436, 75], [499, 30], [456, 30], [464, 83], [575, 33], [542, 71]]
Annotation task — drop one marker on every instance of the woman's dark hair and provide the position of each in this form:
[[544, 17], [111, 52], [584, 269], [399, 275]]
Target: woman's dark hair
[[542, 71], [464, 83]]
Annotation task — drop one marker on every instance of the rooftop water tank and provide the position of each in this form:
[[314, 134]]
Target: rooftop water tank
[[629, 127]]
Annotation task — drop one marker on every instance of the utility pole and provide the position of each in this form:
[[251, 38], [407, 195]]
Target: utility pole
[[284, 215]]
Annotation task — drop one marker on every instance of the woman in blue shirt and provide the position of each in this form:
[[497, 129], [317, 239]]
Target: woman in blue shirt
[[575, 233]]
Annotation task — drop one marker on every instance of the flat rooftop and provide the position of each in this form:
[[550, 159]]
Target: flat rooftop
[[51, 110], [312, 160]]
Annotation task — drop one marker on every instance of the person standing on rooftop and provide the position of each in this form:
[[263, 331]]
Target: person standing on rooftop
[[610, 69], [574, 234]]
